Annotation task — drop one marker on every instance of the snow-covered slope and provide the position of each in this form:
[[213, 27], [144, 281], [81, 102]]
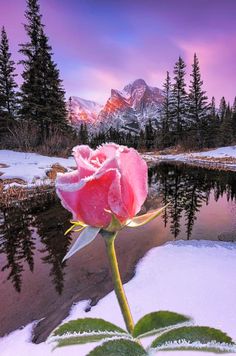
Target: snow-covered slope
[[81, 110], [128, 109], [221, 157], [195, 278]]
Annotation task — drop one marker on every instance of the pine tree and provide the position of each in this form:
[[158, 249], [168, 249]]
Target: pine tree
[[166, 113], [8, 97], [180, 99], [226, 129], [83, 134], [198, 107], [222, 108], [149, 133], [42, 95], [213, 126], [213, 107], [234, 119]]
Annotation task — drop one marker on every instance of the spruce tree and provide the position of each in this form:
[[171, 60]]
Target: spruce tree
[[198, 107], [213, 107], [180, 99], [42, 95], [213, 126], [234, 119], [222, 108], [8, 96], [166, 113], [226, 129]]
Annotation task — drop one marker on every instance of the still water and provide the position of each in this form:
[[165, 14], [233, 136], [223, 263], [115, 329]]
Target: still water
[[35, 284]]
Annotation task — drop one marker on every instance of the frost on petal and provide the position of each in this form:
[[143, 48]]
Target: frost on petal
[[82, 155], [83, 151], [68, 199], [97, 158], [134, 172], [109, 149]]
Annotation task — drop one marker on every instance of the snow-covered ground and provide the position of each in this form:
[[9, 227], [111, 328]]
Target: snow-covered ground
[[224, 156], [31, 167], [196, 278]]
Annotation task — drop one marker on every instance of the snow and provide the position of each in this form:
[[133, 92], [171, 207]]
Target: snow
[[31, 167], [229, 151], [196, 278], [199, 157], [84, 110]]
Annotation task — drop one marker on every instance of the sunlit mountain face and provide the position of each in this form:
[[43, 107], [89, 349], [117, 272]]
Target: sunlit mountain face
[[81, 110], [128, 109]]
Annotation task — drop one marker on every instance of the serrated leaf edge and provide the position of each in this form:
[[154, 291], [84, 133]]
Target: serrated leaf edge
[[163, 330], [126, 337], [68, 335], [179, 344]]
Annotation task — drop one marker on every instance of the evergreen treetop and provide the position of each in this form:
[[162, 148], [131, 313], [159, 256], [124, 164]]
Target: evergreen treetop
[[8, 97], [179, 97], [42, 94]]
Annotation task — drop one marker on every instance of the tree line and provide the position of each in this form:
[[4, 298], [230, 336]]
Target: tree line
[[35, 112], [186, 118]]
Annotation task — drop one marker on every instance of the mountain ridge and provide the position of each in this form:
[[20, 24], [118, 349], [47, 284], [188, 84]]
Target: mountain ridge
[[128, 109]]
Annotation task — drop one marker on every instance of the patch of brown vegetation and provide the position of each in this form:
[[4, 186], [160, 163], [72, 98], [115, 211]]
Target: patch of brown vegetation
[[13, 180], [56, 168], [14, 194], [3, 165], [4, 182], [230, 160]]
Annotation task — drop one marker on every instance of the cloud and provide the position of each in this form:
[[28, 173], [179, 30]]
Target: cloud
[[217, 64]]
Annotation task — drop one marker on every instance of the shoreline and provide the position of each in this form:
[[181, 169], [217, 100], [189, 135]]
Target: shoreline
[[201, 163], [25, 170]]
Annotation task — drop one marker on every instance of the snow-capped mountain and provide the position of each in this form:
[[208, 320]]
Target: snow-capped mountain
[[132, 107], [128, 109], [81, 110]]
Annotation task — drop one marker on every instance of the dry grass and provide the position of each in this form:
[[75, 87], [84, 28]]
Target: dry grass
[[25, 136], [228, 160], [56, 168], [14, 194]]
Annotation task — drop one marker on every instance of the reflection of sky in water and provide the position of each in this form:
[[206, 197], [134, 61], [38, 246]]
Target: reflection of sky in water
[[202, 207], [216, 218], [32, 242]]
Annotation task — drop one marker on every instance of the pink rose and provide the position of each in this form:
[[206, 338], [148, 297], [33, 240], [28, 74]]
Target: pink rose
[[111, 178]]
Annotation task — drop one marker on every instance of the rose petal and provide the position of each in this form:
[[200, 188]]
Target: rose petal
[[115, 198], [82, 155], [134, 173], [68, 199], [109, 149], [93, 200], [83, 151]]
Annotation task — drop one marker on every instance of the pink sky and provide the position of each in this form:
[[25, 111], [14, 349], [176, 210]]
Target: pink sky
[[103, 44]]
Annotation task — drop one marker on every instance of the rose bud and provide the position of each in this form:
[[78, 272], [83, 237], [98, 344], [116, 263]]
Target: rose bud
[[109, 185]]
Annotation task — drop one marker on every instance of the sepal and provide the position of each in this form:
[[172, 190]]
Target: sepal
[[87, 235], [141, 220]]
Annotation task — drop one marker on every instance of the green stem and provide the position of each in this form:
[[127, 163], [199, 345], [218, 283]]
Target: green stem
[[118, 286]]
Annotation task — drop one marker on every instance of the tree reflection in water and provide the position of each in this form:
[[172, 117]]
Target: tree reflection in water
[[44, 220], [187, 189], [20, 225]]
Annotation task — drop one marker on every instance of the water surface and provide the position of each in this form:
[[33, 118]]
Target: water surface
[[35, 284]]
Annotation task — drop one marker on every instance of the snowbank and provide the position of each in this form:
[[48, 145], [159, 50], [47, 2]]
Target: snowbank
[[225, 156], [196, 278], [29, 166]]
